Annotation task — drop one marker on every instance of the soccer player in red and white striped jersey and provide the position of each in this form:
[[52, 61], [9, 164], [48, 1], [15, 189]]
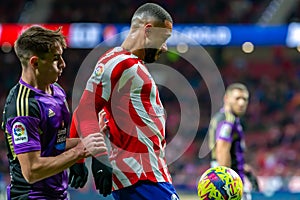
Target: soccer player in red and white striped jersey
[[122, 86]]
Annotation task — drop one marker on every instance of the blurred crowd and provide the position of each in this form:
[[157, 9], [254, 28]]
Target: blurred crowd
[[120, 11], [272, 75], [213, 11]]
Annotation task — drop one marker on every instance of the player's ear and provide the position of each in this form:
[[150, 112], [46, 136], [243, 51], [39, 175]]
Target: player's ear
[[147, 29], [33, 61]]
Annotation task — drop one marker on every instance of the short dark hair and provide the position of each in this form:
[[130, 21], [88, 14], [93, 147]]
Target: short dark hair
[[153, 10], [236, 86], [37, 40]]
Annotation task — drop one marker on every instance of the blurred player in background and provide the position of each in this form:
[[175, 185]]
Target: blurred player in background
[[36, 118], [122, 85], [226, 135]]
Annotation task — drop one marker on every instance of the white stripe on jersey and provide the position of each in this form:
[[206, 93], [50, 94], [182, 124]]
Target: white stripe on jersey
[[165, 168], [114, 186], [126, 75], [152, 157], [106, 75], [120, 175], [134, 165], [137, 103], [160, 110]]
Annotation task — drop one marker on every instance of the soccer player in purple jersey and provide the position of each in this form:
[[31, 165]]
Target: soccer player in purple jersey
[[226, 135], [36, 118]]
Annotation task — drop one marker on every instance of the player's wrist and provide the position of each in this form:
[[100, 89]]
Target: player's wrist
[[79, 153], [104, 159], [100, 155]]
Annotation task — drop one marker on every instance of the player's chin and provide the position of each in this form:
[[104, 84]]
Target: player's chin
[[55, 79], [240, 113]]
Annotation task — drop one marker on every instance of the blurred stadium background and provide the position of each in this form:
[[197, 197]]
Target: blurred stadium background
[[256, 42]]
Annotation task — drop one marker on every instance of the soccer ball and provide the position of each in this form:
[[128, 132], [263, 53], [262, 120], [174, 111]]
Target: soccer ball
[[220, 183]]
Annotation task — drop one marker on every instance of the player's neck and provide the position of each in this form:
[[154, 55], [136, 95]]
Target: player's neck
[[32, 80], [137, 52], [134, 44], [227, 108]]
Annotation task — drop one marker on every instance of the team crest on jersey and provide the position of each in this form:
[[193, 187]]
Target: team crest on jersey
[[225, 131], [99, 69], [20, 133]]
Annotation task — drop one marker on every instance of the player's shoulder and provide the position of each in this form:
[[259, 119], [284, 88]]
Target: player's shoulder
[[116, 57], [229, 117], [222, 116], [20, 92], [115, 53], [219, 116], [57, 88], [21, 102], [127, 58]]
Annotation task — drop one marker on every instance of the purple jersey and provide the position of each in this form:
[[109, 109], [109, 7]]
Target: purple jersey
[[36, 121], [226, 126]]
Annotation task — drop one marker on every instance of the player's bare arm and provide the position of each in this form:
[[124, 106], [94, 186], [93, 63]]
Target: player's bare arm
[[71, 142], [35, 167], [223, 153]]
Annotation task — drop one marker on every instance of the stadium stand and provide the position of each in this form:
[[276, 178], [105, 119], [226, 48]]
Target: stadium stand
[[272, 74]]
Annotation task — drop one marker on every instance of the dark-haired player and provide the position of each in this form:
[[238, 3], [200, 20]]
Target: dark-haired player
[[122, 85], [36, 118]]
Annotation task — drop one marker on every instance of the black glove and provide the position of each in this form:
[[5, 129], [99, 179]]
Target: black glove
[[78, 175], [102, 172], [253, 180]]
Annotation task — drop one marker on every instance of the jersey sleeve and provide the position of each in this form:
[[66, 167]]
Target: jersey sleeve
[[21, 120], [85, 117], [224, 131], [73, 130], [24, 134], [74, 133], [93, 99]]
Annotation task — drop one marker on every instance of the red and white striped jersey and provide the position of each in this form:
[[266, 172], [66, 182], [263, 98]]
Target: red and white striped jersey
[[122, 86]]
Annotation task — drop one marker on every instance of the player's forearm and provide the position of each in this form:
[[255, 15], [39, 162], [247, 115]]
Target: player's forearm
[[223, 153], [224, 159], [71, 142], [44, 167], [87, 115]]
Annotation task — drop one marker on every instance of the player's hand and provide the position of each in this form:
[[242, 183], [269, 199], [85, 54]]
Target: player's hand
[[251, 177], [78, 175], [253, 180], [93, 144], [103, 122], [102, 173]]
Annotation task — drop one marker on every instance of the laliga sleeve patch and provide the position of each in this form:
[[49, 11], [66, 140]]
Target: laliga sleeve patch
[[98, 69], [19, 133], [225, 131]]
